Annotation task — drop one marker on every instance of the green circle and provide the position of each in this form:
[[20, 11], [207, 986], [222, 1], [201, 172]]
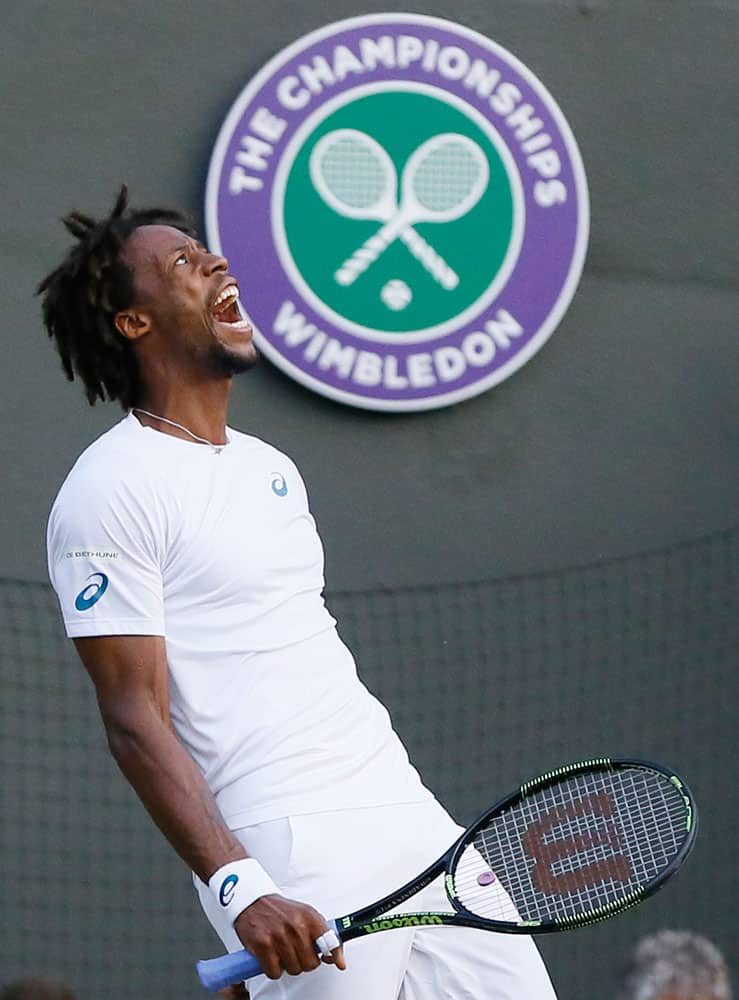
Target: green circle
[[320, 239]]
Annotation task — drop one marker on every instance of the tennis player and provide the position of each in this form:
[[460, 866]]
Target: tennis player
[[190, 576]]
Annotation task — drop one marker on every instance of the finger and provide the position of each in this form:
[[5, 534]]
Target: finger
[[327, 941], [306, 954], [335, 957], [270, 961], [304, 946], [292, 961], [329, 947]]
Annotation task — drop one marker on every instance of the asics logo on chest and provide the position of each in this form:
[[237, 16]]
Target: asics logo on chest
[[279, 485]]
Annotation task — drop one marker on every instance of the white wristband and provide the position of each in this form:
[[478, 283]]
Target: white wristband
[[237, 884]]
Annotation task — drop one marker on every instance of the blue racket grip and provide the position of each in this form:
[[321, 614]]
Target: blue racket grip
[[215, 973]]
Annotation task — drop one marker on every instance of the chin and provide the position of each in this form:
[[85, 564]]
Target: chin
[[236, 362]]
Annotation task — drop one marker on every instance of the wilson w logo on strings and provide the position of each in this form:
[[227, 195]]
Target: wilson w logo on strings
[[575, 846]]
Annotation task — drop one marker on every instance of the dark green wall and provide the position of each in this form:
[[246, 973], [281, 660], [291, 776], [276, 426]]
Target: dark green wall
[[619, 435]]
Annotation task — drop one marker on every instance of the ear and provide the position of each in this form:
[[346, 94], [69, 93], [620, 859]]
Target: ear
[[131, 324]]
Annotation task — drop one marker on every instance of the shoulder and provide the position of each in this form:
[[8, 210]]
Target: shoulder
[[110, 472], [258, 447]]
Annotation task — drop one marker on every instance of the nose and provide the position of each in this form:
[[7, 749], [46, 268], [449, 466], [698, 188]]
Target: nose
[[213, 262]]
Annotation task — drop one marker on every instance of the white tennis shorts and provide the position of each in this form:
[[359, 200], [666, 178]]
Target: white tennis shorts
[[341, 861]]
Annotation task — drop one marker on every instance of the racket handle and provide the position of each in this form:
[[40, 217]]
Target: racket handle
[[216, 973]]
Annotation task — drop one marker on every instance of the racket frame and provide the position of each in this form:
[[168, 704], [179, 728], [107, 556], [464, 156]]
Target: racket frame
[[376, 917], [216, 973]]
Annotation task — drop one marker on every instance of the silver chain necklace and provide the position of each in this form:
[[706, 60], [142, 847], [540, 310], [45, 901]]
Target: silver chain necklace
[[217, 448]]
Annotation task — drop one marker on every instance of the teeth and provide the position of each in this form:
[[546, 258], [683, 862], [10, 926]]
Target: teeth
[[227, 295]]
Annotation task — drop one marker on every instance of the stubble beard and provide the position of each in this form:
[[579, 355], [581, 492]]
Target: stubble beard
[[229, 363]]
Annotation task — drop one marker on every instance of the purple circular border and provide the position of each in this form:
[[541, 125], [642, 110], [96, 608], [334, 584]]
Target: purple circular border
[[549, 263]]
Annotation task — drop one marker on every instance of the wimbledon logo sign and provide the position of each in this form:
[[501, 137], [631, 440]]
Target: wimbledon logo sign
[[405, 208]]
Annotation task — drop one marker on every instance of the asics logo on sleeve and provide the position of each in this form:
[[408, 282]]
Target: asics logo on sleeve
[[228, 888], [91, 592], [279, 486]]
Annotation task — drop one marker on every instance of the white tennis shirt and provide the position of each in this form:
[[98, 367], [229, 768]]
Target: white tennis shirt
[[151, 534]]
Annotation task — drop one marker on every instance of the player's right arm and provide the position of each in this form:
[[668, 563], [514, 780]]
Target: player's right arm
[[131, 682]]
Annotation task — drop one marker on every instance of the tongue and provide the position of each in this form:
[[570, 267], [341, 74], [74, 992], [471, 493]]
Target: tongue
[[230, 314]]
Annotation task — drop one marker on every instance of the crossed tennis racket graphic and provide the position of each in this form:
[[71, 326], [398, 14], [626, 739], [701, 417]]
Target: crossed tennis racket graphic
[[442, 180]]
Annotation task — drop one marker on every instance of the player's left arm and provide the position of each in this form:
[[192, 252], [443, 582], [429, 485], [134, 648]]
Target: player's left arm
[[132, 685]]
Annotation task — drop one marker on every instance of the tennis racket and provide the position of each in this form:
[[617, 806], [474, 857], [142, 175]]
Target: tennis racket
[[575, 846]]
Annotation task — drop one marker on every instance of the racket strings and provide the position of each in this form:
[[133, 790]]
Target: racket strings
[[354, 173], [446, 177], [574, 847]]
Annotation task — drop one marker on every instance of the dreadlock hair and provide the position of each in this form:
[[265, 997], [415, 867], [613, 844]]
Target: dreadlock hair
[[82, 296]]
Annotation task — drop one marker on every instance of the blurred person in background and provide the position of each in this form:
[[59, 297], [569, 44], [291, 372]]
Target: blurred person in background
[[676, 965], [36, 989]]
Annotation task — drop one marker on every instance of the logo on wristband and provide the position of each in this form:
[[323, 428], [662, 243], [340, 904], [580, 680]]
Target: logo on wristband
[[228, 888]]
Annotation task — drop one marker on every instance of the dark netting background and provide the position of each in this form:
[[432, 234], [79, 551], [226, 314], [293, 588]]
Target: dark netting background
[[489, 683]]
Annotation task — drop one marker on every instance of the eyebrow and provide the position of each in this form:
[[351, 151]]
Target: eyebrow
[[181, 247]]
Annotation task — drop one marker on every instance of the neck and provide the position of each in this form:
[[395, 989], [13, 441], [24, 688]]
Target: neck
[[202, 412]]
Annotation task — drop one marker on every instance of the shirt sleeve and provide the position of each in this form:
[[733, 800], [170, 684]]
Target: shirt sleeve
[[105, 560]]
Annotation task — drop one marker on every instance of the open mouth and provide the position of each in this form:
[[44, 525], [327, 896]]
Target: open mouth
[[225, 309]]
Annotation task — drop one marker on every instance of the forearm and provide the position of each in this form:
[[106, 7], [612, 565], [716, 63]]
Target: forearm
[[281, 932], [171, 787]]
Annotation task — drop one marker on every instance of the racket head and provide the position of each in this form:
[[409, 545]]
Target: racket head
[[573, 847], [354, 175], [444, 178]]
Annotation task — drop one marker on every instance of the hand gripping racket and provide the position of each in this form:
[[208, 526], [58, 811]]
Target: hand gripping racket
[[575, 846]]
